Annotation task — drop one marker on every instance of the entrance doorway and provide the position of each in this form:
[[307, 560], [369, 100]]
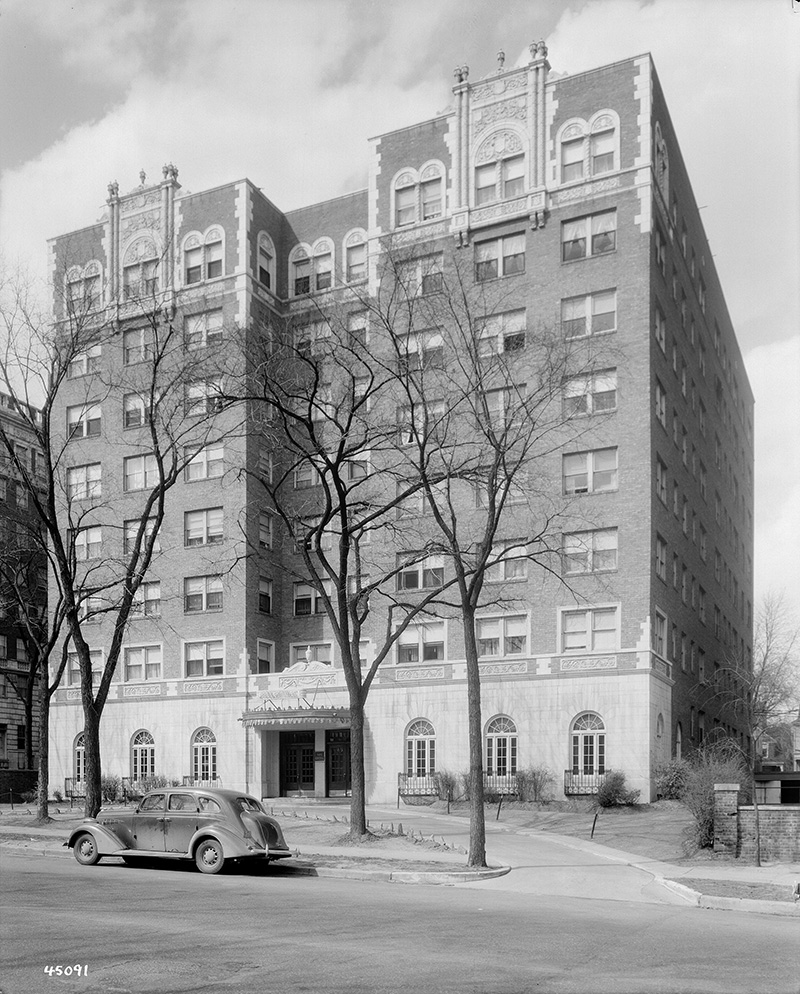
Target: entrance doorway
[[297, 763], [337, 771]]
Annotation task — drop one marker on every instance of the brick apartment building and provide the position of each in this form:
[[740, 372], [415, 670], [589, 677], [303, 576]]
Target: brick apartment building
[[569, 194], [18, 729]]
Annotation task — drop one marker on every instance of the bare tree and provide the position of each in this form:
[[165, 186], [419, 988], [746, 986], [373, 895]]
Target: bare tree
[[129, 356]]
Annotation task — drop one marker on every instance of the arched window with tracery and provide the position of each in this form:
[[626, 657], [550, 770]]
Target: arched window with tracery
[[499, 168], [140, 270], [588, 745], [589, 148], [79, 765], [202, 256], [84, 288], [143, 755], [418, 195], [420, 749], [204, 755], [501, 747]]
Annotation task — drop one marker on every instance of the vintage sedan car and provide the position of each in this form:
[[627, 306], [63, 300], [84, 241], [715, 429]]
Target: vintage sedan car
[[210, 826]]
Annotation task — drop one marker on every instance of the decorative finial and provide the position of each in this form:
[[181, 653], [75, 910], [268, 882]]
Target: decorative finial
[[308, 653], [501, 58], [165, 170], [142, 176], [113, 188], [461, 73]]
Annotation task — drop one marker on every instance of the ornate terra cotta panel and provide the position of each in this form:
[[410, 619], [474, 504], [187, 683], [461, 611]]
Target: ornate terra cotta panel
[[203, 687], [146, 690], [589, 663]]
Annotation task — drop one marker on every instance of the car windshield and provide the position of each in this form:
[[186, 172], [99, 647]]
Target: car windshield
[[248, 804]]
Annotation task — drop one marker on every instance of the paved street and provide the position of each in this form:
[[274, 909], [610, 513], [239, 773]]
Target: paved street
[[173, 930]]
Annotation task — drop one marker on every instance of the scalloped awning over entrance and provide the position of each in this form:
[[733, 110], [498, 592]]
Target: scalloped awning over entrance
[[283, 713]]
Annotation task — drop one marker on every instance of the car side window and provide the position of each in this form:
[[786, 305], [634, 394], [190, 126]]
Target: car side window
[[208, 804], [153, 802], [182, 802]]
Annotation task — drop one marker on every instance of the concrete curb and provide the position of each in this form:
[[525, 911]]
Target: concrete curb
[[781, 908], [309, 870]]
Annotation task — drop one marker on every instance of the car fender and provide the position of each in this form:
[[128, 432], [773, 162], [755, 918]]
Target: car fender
[[232, 844], [108, 842]]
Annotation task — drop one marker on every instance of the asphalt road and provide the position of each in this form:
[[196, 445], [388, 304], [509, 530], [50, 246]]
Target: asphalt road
[[173, 930]]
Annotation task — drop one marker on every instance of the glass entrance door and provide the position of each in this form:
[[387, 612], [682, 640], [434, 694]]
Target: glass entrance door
[[297, 762], [337, 751]]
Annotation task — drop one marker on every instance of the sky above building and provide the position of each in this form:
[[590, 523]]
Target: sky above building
[[286, 92]]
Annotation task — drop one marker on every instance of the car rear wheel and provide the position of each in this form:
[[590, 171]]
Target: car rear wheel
[[209, 856], [85, 850]]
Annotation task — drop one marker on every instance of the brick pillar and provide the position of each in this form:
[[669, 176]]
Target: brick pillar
[[726, 817]]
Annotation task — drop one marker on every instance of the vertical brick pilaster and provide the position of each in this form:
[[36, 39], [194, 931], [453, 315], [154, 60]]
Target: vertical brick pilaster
[[726, 817]]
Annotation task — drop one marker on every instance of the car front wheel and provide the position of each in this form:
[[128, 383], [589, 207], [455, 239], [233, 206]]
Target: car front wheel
[[209, 856], [85, 850]]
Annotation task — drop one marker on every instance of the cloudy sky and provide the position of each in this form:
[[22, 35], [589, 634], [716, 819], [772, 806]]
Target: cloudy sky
[[286, 92]]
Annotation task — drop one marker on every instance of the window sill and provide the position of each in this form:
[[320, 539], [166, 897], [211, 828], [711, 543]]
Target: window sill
[[587, 258]]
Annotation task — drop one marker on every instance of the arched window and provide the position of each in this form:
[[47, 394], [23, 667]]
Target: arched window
[[140, 270], [204, 755], [501, 747], [418, 196], [202, 256], [420, 749], [588, 149], [588, 745], [80, 758], [84, 288], [678, 741], [143, 755], [300, 270], [266, 260], [355, 250], [499, 168]]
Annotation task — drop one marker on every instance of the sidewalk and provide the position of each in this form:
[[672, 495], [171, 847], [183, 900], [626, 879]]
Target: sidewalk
[[541, 863]]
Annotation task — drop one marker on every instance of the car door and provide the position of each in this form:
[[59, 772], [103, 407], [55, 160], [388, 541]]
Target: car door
[[181, 822], [148, 823]]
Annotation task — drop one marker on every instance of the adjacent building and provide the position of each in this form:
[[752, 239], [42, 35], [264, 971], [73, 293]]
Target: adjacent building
[[569, 196]]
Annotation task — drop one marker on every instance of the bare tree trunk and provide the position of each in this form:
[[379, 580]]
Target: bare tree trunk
[[358, 809], [477, 823], [33, 679], [94, 793], [43, 786]]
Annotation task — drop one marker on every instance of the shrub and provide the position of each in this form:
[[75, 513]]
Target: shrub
[[721, 762], [670, 779], [447, 785], [536, 783], [28, 796], [58, 796], [612, 790], [111, 787]]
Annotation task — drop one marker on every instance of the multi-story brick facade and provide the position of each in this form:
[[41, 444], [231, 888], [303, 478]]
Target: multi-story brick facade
[[569, 195], [23, 575]]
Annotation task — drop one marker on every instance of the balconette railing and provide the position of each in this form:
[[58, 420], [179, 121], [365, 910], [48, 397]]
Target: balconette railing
[[582, 783]]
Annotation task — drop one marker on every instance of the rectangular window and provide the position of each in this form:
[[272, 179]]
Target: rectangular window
[[205, 464], [431, 192], [142, 662], [589, 314], [84, 481], [425, 574], [302, 276], [356, 263], [590, 630], [660, 246], [661, 481], [421, 643], [500, 257], [485, 184], [421, 422], [504, 636], [590, 551], [203, 527], [203, 396], [136, 345], [661, 558], [265, 530], [602, 152], [309, 600], [660, 634], [202, 329], [660, 329], [323, 271], [509, 561], [572, 160], [131, 530], [265, 657], [88, 543], [661, 404], [84, 363], [595, 393], [135, 411], [589, 236], [431, 274], [502, 333], [405, 206], [513, 176], [84, 421], [265, 595], [74, 672], [202, 593], [204, 658], [265, 261], [147, 599], [139, 473], [320, 651], [590, 472]]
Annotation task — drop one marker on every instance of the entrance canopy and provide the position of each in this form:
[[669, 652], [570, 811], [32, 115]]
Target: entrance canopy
[[282, 713]]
